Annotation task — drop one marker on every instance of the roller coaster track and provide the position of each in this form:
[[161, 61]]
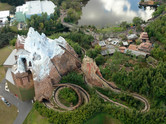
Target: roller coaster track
[[70, 53], [82, 94], [107, 99], [113, 88], [117, 90]]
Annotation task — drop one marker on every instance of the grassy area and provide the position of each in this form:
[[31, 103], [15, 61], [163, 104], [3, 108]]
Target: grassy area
[[4, 53], [2, 73], [7, 114], [35, 118], [5, 6], [103, 119]]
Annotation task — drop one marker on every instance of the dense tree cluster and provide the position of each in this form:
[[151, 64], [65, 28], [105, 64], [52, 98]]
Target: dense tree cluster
[[157, 29], [122, 98], [160, 10], [5, 36], [74, 78], [68, 96], [95, 54], [85, 112], [46, 24], [100, 60], [125, 25], [82, 39], [8, 35], [148, 81], [73, 9], [70, 4], [77, 116], [92, 53], [13, 2], [76, 40], [72, 16], [114, 64]]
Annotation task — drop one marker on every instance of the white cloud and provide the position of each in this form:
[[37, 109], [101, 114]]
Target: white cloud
[[117, 7]]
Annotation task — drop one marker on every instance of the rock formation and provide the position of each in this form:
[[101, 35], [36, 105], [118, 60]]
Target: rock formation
[[91, 70], [47, 61]]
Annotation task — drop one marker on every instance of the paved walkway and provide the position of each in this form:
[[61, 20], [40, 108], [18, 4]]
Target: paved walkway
[[23, 107]]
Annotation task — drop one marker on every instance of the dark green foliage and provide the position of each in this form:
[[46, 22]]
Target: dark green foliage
[[73, 9], [85, 112], [138, 28], [13, 41], [77, 116], [74, 78], [69, 2], [13, 2], [77, 48], [76, 40], [82, 39], [114, 64], [68, 96], [100, 59], [158, 53], [92, 53], [147, 81], [125, 25], [45, 24], [159, 10], [5, 36], [157, 29], [122, 98], [135, 117], [137, 21], [72, 16]]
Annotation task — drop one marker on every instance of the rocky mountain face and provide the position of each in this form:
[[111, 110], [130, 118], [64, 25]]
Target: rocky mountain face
[[47, 59], [91, 71]]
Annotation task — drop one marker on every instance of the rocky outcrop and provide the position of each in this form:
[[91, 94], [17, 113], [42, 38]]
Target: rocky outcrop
[[66, 62], [44, 88], [90, 70]]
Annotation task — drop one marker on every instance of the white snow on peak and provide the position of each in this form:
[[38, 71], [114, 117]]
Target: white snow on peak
[[40, 51]]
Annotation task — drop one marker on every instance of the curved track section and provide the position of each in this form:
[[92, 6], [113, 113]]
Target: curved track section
[[83, 96], [107, 99], [117, 90]]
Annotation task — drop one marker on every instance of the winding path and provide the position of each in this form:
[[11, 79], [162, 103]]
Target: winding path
[[117, 90], [63, 15]]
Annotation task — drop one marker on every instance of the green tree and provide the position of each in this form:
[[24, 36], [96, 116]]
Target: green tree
[[68, 95], [137, 21], [100, 59]]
